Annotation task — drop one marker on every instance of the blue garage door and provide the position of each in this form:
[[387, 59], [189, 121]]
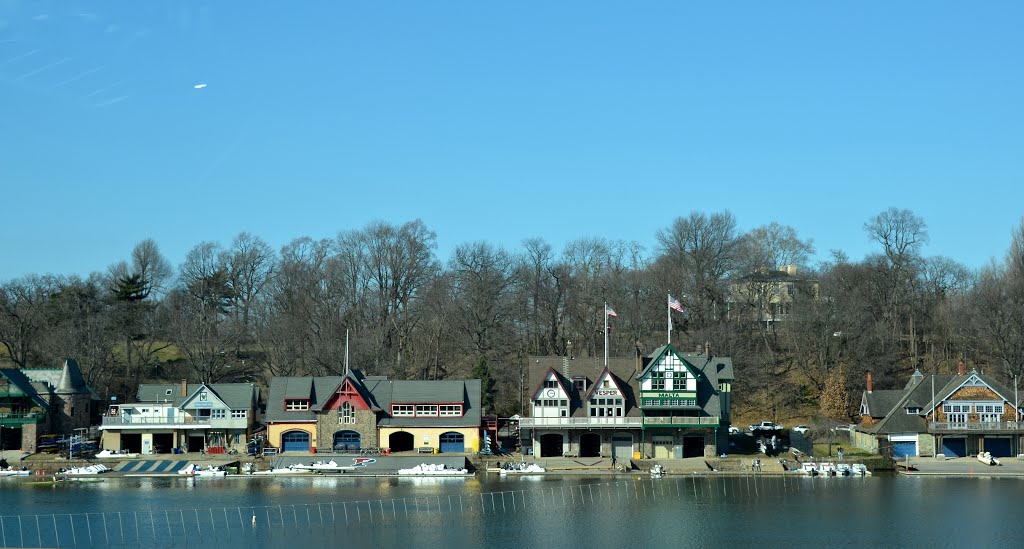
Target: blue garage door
[[998, 446], [295, 441], [453, 442], [954, 447], [904, 449], [347, 441]]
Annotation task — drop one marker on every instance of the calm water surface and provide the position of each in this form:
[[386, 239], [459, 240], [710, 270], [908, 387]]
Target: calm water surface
[[581, 511]]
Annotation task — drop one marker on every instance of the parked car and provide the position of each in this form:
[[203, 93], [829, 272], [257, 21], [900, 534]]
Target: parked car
[[734, 430], [765, 426], [802, 429]]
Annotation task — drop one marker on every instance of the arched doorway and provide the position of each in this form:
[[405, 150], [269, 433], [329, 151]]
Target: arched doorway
[[347, 441], [551, 445], [453, 442], [295, 441], [590, 445], [400, 441]]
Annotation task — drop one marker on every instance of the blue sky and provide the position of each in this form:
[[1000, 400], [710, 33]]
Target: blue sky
[[502, 121]]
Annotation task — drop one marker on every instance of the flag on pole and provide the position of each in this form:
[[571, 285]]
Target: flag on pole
[[609, 311], [674, 304]]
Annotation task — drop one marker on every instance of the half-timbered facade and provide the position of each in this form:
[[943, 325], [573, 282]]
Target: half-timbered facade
[[646, 406], [953, 415]]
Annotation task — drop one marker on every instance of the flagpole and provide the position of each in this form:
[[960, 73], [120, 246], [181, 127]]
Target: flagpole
[[606, 334], [668, 311]]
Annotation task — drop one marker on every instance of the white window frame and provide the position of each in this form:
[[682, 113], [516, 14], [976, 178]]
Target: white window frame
[[403, 410], [426, 410]]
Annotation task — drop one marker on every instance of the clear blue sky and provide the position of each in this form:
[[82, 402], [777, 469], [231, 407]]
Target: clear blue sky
[[501, 121]]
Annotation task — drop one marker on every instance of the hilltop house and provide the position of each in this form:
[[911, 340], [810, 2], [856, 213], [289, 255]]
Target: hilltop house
[[354, 412], [666, 405], [953, 415], [38, 401]]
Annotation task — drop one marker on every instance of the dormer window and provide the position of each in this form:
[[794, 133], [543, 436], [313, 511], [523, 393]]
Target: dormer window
[[913, 410], [580, 383], [296, 404]]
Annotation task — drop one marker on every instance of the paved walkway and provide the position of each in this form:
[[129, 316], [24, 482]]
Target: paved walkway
[[967, 466]]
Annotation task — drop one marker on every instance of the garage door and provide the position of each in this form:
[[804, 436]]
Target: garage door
[[295, 441], [998, 446], [662, 447], [954, 447], [453, 442], [904, 449], [623, 447]]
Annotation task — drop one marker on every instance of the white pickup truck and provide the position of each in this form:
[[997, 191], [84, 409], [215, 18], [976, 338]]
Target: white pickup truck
[[765, 426]]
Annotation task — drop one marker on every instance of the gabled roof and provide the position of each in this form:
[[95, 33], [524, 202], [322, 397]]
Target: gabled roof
[[562, 382], [356, 379], [379, 392], [237, 396], [891, 405], [589, 368], [655, 357], [23, 385], [194, 394], [619, 384]]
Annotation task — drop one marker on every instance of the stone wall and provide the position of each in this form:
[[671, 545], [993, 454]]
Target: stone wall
[[366, 425], [29, 437]]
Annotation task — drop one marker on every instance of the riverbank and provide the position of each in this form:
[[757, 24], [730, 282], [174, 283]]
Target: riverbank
[[387, 466]]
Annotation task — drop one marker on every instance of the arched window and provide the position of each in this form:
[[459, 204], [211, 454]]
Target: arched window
[[346, 414]]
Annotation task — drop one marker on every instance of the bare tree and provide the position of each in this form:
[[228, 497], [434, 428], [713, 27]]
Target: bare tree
[[23, 317], [702, 251], [250, 265]]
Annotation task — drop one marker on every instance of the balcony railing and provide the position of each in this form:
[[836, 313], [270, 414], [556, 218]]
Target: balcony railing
[[114, 421], [703, 421], [9, 418], [595, 422], [946, 426]]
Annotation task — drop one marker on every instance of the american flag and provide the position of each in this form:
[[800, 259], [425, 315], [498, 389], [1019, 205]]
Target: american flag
[[674, 304], [609, 311]]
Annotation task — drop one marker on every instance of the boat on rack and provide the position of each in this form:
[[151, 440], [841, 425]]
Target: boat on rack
[[657, 470], [988, 459], [116, 454], [15, 473], [196, 471], [521, 468], [434, 470]]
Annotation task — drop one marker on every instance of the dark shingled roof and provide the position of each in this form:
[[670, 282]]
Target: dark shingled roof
[[626, 371], [238, 396], [379, 392], [891, 405]]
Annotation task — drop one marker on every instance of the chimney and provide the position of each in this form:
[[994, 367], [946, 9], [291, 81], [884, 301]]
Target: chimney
[[699, 349], [791, 270], [869, 382], [707, 348], [184, 388], [960, 368]]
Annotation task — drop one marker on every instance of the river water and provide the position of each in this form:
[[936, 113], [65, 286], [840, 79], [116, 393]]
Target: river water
[[881, 511]]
